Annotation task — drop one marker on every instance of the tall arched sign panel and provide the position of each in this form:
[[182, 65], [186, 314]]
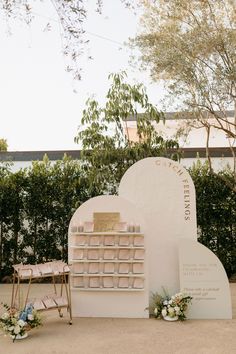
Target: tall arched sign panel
[[164, 192]]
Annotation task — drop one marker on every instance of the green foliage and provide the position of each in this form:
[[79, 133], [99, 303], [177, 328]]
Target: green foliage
[[3, 145], [16, 322], [171, 306], [216, 213], [71, 16], [192, 46], [36, 206], [108, 150]]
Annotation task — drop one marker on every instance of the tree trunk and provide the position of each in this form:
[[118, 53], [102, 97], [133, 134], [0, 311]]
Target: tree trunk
[[208, 130]]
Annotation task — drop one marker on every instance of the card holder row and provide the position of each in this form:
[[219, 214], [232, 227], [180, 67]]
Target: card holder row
[[108, 282], [108, 268], [106, 254], [108, 240]]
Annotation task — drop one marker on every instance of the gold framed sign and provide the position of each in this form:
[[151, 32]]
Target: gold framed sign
[[105, 222]]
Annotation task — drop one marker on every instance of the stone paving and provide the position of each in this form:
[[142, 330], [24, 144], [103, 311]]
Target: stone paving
[[122, 336]]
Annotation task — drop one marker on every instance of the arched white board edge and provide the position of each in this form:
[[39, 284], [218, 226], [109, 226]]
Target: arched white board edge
[[202, 276]]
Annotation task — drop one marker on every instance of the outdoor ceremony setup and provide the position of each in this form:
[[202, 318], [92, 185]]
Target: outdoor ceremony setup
[[123, 248], [129, 256]]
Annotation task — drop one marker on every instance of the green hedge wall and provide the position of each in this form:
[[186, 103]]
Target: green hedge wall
[[216, 213], [36, 205]]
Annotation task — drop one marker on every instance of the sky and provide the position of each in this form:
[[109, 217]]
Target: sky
[[40, 109]]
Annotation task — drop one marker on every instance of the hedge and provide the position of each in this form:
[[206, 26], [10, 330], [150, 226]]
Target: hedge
[[216, 213], [36, 205]]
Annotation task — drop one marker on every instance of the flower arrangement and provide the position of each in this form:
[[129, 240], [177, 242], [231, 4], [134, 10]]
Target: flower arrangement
[[17, 323], [170, 307]]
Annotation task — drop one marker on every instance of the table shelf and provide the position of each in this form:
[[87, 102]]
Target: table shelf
[[117, 275], [107, 247], [106, 289], [106, 233], [48, 302], [106, 261]]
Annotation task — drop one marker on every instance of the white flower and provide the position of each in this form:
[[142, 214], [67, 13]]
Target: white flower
[[171, 310], [5, 316], [155, 311], [21, 323], [165, 302], [164, 312], [17, 329], [14, 320], [30, 317], [177, 310], [170, 302]]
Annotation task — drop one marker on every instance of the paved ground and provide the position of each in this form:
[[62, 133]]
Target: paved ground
[[123, 336]]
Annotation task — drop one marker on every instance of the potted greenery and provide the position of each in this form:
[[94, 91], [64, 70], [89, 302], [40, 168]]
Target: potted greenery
[[18, 323], [170, 308]]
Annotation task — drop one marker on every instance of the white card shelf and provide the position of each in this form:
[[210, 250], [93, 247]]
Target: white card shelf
[[106, 289], [107, 261], [108, 247], [108, 281], [121, 233], [129, 275]]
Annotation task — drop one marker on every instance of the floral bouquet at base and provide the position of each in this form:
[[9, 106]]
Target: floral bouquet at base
[[17, 323], [170, 306]]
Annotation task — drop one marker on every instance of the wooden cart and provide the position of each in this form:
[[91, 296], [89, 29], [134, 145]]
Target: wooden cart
[[57, 300]]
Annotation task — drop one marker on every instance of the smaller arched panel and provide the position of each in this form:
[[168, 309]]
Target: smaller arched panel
[[202, 276]]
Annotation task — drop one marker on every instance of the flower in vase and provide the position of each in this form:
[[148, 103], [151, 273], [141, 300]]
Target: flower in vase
[[172, 306]]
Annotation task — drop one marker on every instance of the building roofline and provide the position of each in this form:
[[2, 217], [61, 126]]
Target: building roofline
[[181, 115], [55, 155], [201, 152]]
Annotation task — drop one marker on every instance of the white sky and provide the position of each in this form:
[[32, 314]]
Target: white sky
[[39, 110]]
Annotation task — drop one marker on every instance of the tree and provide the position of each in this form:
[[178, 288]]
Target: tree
[[71, 15], [3, 145], [192, 46], [107, 149]]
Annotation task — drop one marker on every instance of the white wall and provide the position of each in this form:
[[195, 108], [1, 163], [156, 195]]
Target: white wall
[[196, 138]]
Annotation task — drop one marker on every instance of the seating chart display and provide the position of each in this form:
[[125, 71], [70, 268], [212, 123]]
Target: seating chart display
[[107, 260], [124, 248], [107, 255]]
